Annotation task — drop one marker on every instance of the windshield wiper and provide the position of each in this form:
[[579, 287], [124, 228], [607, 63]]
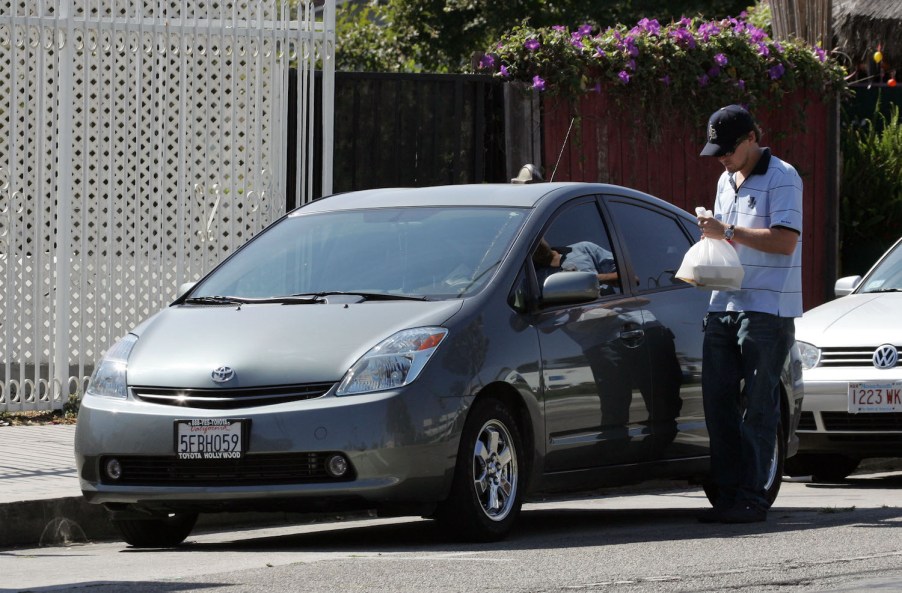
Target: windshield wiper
[[216, 300], [233, 300], [887, 290], [367, 296]]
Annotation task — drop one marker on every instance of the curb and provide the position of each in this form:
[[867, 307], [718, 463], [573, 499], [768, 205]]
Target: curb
[[72, 520]]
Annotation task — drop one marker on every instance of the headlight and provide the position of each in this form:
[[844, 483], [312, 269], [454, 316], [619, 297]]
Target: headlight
[[811, 355], [394, 362], [108, 379]]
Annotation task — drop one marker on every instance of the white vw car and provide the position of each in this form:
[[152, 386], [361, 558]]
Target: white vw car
[[853, 380]]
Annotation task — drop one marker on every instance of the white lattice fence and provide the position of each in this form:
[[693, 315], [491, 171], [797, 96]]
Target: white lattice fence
[[140, 143]]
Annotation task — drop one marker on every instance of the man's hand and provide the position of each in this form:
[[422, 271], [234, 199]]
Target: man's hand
[[773, 240]]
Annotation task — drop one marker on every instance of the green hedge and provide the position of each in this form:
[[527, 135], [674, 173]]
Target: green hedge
[[870, 188]]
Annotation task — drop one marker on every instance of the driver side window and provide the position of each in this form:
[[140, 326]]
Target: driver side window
[[576, 240]]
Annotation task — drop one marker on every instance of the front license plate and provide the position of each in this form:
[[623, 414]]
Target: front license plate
[[875, 397], [210, 438]]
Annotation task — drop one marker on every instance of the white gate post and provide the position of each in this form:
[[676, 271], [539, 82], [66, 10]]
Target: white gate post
[[59, 374], [328, 82]]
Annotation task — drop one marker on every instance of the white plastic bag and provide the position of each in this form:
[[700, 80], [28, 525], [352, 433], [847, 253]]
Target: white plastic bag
[[712, 264]]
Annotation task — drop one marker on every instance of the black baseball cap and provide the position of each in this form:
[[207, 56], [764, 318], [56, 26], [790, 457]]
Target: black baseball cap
[[725, 127]]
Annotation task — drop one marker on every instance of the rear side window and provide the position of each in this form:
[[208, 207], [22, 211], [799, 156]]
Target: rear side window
[[655, 242]]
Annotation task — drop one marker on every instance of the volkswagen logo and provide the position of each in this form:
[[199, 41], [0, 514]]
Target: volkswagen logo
[[223, 374], [885, 357]]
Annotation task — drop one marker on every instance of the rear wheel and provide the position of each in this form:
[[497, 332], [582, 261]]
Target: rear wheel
[[485, 494], [774, 472], [826, 467], [165, 531]]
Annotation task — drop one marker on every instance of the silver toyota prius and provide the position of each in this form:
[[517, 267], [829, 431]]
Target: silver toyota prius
[[411, 351]]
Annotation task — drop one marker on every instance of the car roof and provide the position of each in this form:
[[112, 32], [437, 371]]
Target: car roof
[[527, 195]]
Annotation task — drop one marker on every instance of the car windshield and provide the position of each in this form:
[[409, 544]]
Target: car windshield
[[424, 252], [887, 276]]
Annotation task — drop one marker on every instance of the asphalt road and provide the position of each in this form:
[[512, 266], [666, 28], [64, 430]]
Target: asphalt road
[[843, 537]]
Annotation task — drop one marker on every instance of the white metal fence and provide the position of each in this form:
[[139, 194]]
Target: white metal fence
[[141, 141]]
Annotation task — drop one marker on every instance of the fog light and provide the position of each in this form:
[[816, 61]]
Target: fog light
[[113, 469], [337, 466]]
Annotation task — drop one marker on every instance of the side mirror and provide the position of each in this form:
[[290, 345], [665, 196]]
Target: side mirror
[[183, 288], [845, 286], [570, 288]]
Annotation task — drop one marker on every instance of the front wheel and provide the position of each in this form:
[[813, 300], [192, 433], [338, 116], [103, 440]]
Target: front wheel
[[166, 531], [485, 494]]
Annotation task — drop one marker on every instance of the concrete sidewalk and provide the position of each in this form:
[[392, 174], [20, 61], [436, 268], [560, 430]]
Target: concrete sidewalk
[[40, 499]]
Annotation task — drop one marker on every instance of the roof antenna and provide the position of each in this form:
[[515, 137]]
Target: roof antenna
[[563, 145]]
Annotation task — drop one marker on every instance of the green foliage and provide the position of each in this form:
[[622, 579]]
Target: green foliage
[[366, 43], [691, 65], [443, 35], [871, 186]]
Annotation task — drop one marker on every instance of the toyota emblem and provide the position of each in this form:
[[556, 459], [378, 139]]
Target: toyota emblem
[[885, 357], [223, 374]]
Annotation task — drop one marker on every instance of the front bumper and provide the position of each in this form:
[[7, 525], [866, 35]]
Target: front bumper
[[827, 426], [401, 446]]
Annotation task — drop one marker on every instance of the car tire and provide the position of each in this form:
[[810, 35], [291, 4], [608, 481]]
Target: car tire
[[164, 532], [485, 494], [775, 472], [822, 467]]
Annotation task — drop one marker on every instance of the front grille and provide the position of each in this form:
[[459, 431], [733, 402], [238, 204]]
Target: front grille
[[229, 399], [862, 422], [252, 469], [849, 357]]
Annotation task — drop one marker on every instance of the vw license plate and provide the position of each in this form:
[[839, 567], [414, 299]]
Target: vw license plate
[[210, 438], [875, 397]]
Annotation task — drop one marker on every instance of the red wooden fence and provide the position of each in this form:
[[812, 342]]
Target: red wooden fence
[[610, 144]]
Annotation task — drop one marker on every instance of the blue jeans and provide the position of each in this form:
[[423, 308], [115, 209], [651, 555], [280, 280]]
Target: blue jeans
[[743, 355]]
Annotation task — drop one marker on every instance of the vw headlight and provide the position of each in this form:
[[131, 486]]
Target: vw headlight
[[810, 354], [108, 379], [394, 362]]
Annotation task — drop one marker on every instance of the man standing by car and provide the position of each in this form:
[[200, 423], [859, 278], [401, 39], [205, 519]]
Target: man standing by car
[[748, 332]]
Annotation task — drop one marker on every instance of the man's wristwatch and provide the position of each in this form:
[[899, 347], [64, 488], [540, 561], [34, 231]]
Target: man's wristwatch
[[728, 233]]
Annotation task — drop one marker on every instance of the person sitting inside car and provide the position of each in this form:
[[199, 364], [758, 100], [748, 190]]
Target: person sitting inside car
[[583, 256]]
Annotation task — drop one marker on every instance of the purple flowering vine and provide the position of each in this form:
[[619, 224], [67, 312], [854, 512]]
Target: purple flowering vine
[[724, 47], [708, 30], [652, 27], [683, 37], [756, 35]]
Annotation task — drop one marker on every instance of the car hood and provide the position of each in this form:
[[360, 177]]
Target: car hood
[[853, 320], [269, 344]]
